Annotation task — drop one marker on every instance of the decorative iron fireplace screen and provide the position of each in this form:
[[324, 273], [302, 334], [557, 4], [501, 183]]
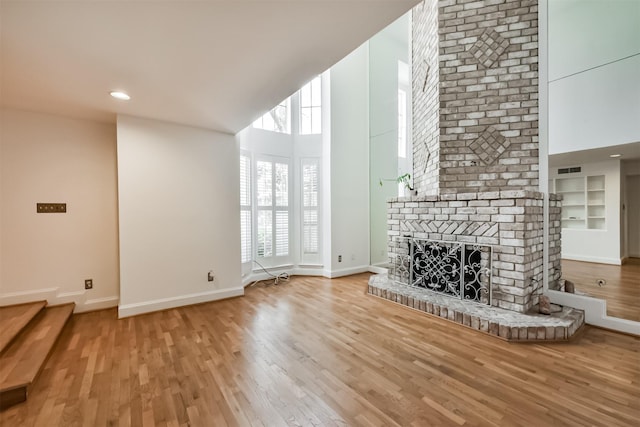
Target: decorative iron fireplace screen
[[455, 269]]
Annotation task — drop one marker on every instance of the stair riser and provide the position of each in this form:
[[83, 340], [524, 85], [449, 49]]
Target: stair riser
[[12, 397]]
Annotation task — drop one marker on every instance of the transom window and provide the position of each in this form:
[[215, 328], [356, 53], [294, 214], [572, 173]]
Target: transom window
[[276, 120], [311, 107]]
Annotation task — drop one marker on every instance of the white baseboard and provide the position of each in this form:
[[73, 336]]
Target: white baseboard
[[47, 294], [599, 260], [179, 301], [298, 271], [595, 311], [53, 296], [312, 271], [307, 271], [378, 269], [98, 304], [332, 274]]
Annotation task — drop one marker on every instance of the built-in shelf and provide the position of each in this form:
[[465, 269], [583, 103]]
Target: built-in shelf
[[583, 205]]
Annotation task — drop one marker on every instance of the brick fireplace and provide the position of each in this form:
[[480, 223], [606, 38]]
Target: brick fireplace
[[509, 222], [475, 151]]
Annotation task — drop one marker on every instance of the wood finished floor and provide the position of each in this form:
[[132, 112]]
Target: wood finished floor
[[622, 290], [320, 352]]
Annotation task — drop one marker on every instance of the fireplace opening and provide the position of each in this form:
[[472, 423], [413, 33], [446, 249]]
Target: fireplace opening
[[454, 269]]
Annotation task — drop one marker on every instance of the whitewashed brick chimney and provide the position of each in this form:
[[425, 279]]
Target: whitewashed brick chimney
[[475, 142]]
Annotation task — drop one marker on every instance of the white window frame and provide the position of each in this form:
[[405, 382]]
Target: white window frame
[[273, 259], [314, 258], [405, 163], [247, 208], [402, 123]]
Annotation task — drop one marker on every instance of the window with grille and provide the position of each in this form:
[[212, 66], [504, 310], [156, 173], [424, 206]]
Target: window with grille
[[245, 208], [402, 123], [311, 107], [310, 210], [272, 206], [276, 120], [404, 86]]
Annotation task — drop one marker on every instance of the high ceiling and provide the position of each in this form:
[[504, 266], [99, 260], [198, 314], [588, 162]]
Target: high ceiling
[[212, 64]]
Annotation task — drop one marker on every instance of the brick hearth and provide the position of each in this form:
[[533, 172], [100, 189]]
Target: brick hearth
[[505, 324]]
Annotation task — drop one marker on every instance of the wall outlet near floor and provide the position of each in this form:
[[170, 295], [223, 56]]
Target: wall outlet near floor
[[339, 258], [88, 284], [210, 276]]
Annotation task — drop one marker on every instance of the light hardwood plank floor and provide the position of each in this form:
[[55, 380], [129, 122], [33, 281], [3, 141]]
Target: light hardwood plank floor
[[321, 352], [622, 288]]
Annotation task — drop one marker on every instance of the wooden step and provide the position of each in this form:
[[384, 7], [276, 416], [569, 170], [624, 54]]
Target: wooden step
[[13, 318], [23, 360]]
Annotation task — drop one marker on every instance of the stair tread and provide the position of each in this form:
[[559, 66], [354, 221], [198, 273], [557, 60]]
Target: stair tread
[[25, 357], [14, 318]]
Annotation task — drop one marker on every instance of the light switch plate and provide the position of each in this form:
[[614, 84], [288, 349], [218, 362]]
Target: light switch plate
[[51, 207]]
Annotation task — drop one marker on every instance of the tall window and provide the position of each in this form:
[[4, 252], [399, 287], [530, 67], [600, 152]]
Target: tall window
[[272, 194], [276, 120], [403, 88], [310, 209], [245, 208], [311, 107], [402, 123]]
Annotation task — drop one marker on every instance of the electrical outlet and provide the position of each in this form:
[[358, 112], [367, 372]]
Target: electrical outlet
[[88, 284], [339, 258], [210, 276]]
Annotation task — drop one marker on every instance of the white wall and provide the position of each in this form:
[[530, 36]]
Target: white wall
[[587, 33], [53, 159], [349, 163], [385, 50], [630, 215], [597, 108], [633, 217], [594, 63], [179, 215], [597, 245]]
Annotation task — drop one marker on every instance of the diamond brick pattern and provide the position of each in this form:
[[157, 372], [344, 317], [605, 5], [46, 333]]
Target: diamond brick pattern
[[490, 145], [466, 228], [488, 48], [483, 58]]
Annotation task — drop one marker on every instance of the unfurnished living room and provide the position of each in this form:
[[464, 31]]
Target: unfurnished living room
[[314, 212]]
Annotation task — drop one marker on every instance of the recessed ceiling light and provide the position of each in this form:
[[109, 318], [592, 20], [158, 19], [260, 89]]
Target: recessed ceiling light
[[615, 155], [120, 95]]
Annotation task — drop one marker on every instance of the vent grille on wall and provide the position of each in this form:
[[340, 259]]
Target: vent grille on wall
[[576, 169]]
